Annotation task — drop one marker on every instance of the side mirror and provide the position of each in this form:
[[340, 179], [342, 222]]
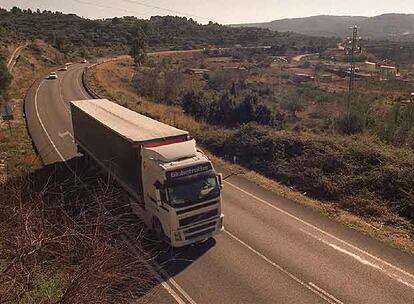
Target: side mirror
[[220, 180], [158, 197]]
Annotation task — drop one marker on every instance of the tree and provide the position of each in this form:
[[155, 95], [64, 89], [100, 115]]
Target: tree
[[233, 90], [138, 51], [223, 112], [196, 105], [173, 84], [15, 10], [292, 104], [58, 41], [264, 115], [245, 111]]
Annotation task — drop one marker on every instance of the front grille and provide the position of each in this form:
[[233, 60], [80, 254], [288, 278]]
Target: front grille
[[194, 236], [181, 211], [198, 217], [198, 228]]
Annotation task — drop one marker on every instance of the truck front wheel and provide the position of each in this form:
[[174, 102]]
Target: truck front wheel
[[157, 228]]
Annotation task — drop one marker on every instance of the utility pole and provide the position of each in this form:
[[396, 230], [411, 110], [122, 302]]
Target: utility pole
[[351, 49]]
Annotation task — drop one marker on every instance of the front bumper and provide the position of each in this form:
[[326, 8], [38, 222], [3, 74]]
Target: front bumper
[[196, 233]]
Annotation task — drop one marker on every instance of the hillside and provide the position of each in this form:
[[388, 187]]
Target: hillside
[[72, 34], [387, 26]]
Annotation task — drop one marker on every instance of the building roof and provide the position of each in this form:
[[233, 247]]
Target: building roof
[[135, 127], [388, 67], [201, 71]]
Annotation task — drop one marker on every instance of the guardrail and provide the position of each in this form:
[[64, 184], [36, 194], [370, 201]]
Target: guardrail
[[85, 83]]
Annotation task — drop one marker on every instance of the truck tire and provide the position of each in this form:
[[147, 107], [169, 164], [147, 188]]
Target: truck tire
[[157, 229]]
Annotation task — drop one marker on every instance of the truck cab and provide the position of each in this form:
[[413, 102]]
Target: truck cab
[[182, 193]]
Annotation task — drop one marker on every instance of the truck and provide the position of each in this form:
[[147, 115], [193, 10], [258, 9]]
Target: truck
[[173, 186]]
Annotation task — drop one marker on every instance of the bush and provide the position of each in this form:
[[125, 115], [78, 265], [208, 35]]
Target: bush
[[292, 103], [365, 178]]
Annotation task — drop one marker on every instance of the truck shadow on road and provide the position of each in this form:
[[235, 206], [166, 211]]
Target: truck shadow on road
[[76, 180]]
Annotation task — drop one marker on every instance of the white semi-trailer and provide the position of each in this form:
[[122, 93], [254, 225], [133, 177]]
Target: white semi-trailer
[[174, 187]]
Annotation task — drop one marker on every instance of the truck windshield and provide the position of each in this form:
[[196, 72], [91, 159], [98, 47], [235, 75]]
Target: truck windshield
[[193, 191]]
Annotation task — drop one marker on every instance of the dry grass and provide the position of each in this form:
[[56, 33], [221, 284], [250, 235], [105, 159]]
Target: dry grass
[[61, 241], [110, 81]]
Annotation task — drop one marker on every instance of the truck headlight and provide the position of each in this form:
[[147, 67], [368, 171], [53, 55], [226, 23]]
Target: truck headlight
[[177, 236], [221, 222]]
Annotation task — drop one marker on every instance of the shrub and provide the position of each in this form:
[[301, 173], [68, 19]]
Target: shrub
[[364, 177]]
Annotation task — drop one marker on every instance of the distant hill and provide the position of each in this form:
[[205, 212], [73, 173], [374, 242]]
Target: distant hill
[[70, 33], [386, 26]]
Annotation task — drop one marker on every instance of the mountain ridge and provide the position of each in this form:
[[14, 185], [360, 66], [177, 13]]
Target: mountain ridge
[[386, 26]]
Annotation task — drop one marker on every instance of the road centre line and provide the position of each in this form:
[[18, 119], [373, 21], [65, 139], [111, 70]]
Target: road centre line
[[324, 232], [61, 93], [42, 124], [280, 268], [360, 259]]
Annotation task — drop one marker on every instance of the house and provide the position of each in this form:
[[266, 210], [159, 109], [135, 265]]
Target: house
[[325, 78], [197, 71], [369, 66], [388, 72], [299, 78]]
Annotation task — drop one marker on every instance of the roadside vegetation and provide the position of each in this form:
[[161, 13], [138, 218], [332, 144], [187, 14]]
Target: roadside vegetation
[[60, 240], [358, 174]]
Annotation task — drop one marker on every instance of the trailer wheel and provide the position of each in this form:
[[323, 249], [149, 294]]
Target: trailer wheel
[[157, 228]]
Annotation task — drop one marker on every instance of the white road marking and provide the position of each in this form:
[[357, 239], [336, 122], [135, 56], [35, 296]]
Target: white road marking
[[280, 268], [361, 259], [175, 284], [325, 293], [61, 95], [43, 126], [401, 272], [161, 280]]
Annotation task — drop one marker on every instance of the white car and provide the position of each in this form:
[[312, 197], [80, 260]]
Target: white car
[[52, 75], [84, 61], [64, 68]]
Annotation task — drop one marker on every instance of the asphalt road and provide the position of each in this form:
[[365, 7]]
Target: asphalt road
[[272, 250]]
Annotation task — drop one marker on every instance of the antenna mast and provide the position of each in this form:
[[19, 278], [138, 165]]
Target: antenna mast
[[351, 49]]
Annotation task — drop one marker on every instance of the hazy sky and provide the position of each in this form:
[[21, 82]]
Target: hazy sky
[[223, 11]]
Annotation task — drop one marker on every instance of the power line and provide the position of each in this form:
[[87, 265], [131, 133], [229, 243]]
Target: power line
[[166, 9], [113, 7], [144, 5]]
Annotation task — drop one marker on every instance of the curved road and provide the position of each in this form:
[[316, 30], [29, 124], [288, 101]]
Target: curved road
[[272, 251]]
